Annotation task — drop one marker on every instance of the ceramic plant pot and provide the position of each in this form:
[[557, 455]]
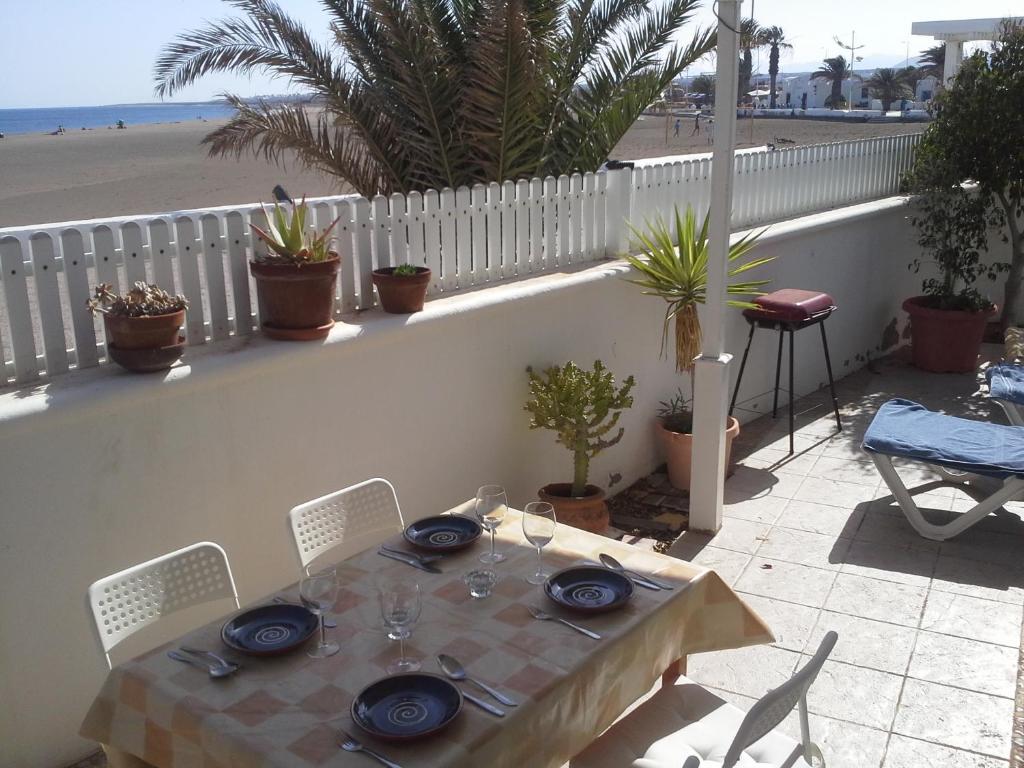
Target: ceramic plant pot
[[945, 340], [678, 447], [401, 294], [148, 332], [588, 512], [296, 301]]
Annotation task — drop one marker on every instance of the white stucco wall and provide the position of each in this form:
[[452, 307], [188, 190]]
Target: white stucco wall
[[103, 469]]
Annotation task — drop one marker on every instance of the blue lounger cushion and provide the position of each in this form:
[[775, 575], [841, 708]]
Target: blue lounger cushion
[[909, 430], [1006, 382]]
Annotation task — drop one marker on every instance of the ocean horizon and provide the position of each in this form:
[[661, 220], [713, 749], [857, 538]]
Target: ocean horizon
[[48, 119]]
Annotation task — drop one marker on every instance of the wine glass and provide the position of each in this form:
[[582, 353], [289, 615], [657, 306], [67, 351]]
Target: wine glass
[[318, 592], [539, 528], [400, 605], [491, 505]]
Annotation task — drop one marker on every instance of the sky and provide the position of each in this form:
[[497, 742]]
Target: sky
[[93, 52]]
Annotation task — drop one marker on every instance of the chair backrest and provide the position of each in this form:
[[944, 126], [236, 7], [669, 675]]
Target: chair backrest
[[351, 519], [127, 601], [772, 708]]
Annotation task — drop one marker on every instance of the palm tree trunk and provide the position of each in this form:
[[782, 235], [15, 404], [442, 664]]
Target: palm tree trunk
[[773, 73], [837, 92]]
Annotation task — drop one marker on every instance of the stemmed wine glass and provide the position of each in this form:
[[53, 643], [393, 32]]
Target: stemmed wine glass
[[400, 605], [319, 591], [491, 505], [539, 528]]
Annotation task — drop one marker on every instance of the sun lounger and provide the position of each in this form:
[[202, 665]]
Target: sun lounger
[[960, 449], [1006, 387]]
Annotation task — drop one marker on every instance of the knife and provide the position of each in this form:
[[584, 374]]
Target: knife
[[641, 581], [637, 577], [483, 705], [410, 561]]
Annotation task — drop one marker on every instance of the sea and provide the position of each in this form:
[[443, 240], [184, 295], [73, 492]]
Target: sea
[[48, 119]]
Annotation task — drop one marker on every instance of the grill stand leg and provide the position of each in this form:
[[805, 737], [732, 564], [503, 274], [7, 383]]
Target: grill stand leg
[[743, 365], [791, 449], [831, 382], [778, 372]]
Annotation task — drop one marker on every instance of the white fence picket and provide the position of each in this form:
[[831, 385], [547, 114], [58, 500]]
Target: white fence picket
[[416, 254], [399, 230], [363, 251], [449, 263], [379, 215], [238, 268], [19, 313], [76, 280], [51, 321], [105, 256], [536, 225], [161, 255], [432, 215], [492, 220], [134, 253], [213, 261], [478, 234], [191, 287]]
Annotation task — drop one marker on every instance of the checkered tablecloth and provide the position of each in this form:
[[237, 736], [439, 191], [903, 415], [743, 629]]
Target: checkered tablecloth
[[287, 711]]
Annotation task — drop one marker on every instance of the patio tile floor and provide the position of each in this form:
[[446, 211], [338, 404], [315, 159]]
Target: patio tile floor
[[926, 667]]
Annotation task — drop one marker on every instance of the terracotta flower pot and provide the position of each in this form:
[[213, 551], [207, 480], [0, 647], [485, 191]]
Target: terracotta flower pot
[[945, 340], [588, 513], [679, 450], [149, 332], [296, 301], [401, 294]]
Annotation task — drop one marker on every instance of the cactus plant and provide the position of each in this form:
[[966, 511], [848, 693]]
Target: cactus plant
[[290, 240], [582, 408]]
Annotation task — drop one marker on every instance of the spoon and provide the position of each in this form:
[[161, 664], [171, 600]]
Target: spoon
[[214, 670], [537, 613], [349, 744], [329, 623], [610, 562], [454, 670]]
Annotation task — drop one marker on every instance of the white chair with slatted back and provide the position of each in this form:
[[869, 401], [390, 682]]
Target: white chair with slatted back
[[349, 521], [126, 602]]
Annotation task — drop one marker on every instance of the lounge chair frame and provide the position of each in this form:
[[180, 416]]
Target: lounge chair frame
[[1009, 489]]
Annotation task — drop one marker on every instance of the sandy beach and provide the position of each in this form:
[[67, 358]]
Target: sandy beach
[[163, 167]]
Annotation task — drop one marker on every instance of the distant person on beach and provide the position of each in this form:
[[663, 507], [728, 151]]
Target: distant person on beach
[[696, 125], [709, 128], [120, 125], [678, 122]]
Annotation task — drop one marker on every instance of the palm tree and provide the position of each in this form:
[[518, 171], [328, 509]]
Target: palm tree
[[776, 41], [750, 38], [888, 85], [705, 85], [933, 60], [441, 93], [835, 70]]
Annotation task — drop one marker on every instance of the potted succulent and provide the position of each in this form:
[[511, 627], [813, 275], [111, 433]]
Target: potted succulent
[[583, 409], [296, 277], [141, 325], [947, 322], [674, 267], [402, 289]]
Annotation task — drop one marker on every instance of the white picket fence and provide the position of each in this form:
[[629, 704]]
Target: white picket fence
[[467, 237]]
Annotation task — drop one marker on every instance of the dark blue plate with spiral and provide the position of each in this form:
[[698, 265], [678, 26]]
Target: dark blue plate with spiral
[[269, 630], [443, 533], [588, 589], [406, 707]]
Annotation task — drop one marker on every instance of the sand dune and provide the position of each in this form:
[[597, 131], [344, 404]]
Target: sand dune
[[156, 168]]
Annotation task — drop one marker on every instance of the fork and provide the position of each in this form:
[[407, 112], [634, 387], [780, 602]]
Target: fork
[[349, 744], [537, 613]]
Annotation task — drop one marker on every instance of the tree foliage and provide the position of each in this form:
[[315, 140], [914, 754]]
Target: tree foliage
[[835, 70], [887, 85], [441, 93], [976, 137], [775, 39], [933, 60]]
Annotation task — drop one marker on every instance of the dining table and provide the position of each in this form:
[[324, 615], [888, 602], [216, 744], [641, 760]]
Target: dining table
[[289, 710]]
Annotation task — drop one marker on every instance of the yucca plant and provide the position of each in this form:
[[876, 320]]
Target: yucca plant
[[414, 94], [288, 238], [673, 265]]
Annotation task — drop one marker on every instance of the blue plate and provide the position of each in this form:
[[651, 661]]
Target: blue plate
[[443, 533], [269, 630], [405, 707], [589, 589]]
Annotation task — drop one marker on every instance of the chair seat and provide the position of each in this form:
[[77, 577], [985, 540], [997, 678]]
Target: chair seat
[[909, 430], [682, 721], [1006, 382], [791, 305]]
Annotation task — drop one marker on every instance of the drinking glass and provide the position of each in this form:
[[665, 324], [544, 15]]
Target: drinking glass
[[539, 528], [400, 605], [319, 591], [491, 505]]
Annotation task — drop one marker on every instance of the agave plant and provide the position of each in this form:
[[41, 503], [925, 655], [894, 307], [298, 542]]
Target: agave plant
[[674, 267], [418, 94], [288, 238]]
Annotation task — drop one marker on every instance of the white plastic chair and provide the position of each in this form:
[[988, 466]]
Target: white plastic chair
[[127, 601], [687, 725], [352, 519]]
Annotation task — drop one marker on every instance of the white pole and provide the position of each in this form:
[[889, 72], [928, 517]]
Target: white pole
[[711, 379]]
